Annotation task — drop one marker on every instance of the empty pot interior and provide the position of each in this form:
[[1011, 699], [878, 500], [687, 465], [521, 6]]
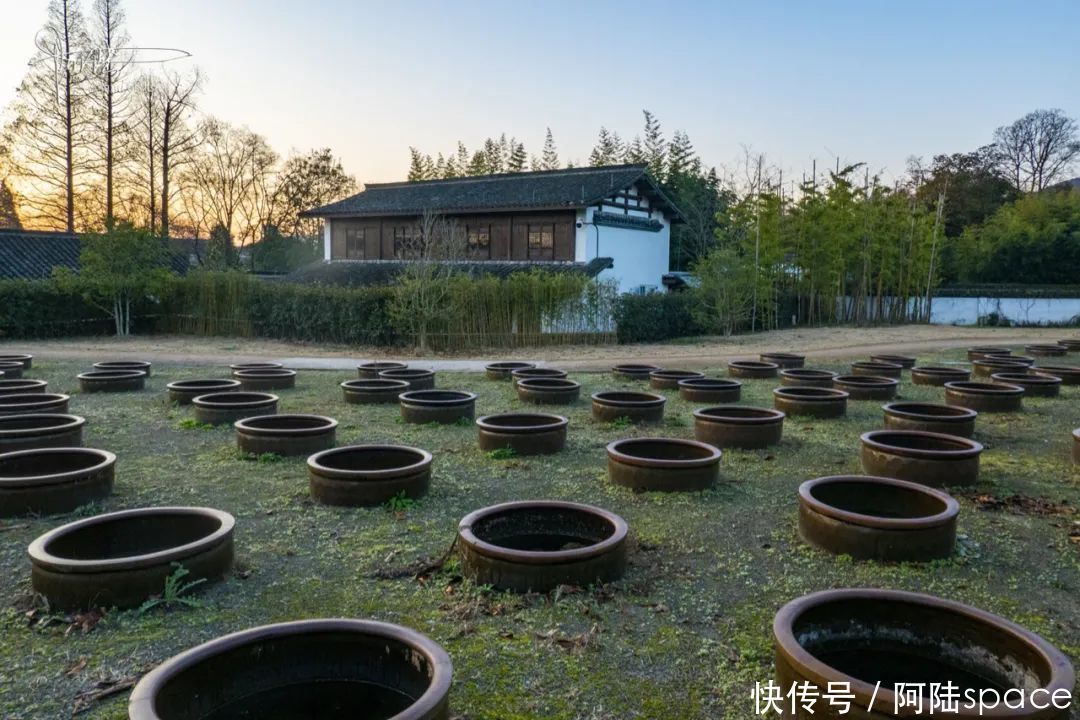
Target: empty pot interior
[[877, 499], [48, 463], [808, 393], [543, 529], [438, 396], [286, 422], [238, 398], [34, 422], [920, 442], [710, 382], [522, 420], [616, 398], [655, 449], [937, 411], [200, 384], [549, 383], [370, 459], [309, 675], [739, 413], [29, 399], [132, 535], [900, 642], [408, 372]]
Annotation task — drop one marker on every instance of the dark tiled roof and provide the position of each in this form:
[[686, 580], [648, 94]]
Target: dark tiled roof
[[32, 254], [544, 190], [384, 272]]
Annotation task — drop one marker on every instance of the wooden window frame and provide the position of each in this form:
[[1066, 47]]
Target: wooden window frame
[[355, 237], [540, 251], [478, 250]]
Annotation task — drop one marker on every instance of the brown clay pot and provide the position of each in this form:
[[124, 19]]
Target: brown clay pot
[[867, 387], [985, 397], [1076, 447], [1035, 385], [633, 371], [381, 390], [804, 377], [938, 375], [371, 370], [502, 370], [738, 426], [752, 369], [524, 433], [1024, 360], [533, 373], [811, 401], [261, 379], [930, 417], [875, 368], [228, 407], [637, 407], [143, 365], [983, 350], [665, 379], [933, 459], [710, 390], [22, 386], [417, 378], [785, 360], [47, 481], [905, 361], [22, 403], [436, 406], [1046, 350], [864, 641], [235, 367], [1068, 374], [286, 435], [11, 370], [1070, 344], [539, 545], [40, 430], [663, 464], [548, 391], [338, 668], [364, 475], [27, 361], [120, 559], [876, 518], [97, 381], [182, 392], [985, 367]]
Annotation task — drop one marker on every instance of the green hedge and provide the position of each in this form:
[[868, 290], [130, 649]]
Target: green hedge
[[37, 309], [656, 316]]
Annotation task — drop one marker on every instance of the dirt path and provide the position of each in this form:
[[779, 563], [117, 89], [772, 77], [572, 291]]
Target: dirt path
[[704, 352]]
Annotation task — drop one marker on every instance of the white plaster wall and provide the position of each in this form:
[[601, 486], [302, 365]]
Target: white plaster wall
[[966, 311], [326, 239], [641, 257]]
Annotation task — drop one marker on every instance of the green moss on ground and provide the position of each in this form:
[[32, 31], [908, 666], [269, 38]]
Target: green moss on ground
[[685, 634]]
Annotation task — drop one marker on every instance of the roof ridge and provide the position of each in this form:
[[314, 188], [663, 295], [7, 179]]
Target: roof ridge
[[522, 175], [39, 233]]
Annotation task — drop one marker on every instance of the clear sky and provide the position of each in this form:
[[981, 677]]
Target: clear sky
[[868, 80]]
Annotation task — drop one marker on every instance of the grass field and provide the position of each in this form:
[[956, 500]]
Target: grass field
[[684, 635]]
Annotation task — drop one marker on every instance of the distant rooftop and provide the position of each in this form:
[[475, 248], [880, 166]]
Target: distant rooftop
[[32, 254], [542, 190]]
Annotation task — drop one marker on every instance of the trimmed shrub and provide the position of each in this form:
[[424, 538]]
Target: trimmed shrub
[[38, 309], [656, 316]]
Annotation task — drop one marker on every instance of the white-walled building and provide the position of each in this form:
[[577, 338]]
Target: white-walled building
[[613, 217]]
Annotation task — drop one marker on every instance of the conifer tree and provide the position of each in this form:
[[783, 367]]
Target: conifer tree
[[549, 159], [518, 158]]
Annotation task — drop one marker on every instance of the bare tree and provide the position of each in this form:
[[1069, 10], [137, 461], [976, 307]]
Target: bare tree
[[431, 251], [1037, 150], [176, 102], [50, 131], [110, 92]]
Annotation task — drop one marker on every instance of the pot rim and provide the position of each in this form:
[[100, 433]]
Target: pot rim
[[995, 362], [540, 557], [195, 384], [875, 381], [799, 373], [647, 399], [1076, 435], [46, 398], [314, 462], [538, 372], [972, 448], [111, 375], [40, 555], [122, 364], [877, 364], [973, 387], [990, 349], [141, 702], [510, 365], [383, 365], [1045, 346], [710, 383], [781, 354], [670, 374], [764, 416], [615, 452], [810, 394], [555, 422], [1061, 670], [15, 357], [375, 384], [10, 363], [903, 409], [949, 513], [245, 425], [264, 373], [105, 459], [1065, 369], [643, 368], [405, 372], [226, 403], [70, 423], [1026, 378], [548, 383], [255, 365], [23, 384], [415, 397], [753, 365], [940, 370], [891, 355]]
